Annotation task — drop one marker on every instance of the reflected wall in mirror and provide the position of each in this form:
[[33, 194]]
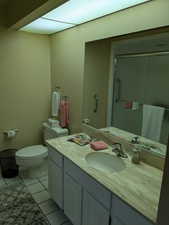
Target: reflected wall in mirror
[[126, 85]]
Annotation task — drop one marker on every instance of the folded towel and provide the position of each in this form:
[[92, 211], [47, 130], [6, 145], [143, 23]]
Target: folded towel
[[98, 145], [152, 122]]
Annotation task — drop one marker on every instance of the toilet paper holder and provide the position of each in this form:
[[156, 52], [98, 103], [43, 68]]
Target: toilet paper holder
[[11, 133]]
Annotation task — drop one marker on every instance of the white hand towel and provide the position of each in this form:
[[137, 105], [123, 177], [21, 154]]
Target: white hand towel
[[152, 122], [55, 103]]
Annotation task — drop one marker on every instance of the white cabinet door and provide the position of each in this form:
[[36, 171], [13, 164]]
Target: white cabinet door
[[55, 183], [123, 214], [72, 200], [93, 212], [116, 221]]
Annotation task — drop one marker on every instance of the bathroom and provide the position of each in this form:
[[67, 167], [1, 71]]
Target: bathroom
[[33, 65]]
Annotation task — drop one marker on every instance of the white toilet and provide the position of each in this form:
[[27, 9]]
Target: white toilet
[[32, 160]]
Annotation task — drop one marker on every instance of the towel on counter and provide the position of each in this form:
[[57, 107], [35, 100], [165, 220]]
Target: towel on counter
[[152, 122], [98, 145]]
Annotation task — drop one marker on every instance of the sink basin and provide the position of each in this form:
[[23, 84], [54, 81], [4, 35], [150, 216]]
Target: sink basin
[[105, 162]]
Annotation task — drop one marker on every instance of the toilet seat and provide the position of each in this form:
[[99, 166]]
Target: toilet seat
[[32, 152]]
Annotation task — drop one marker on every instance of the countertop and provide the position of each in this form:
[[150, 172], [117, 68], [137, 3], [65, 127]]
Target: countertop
[[128, 137], [138, 185]]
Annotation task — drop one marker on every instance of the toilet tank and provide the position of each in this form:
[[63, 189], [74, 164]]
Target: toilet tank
[[53, 132]]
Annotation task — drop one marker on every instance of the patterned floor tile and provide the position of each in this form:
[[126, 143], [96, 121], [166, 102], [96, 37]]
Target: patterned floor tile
[[57, 218], [43, 178], [18, 207], [45, 183], [13, 181], [41, 196], [35, 188], [49, 207], [29, 181], [2, 180]]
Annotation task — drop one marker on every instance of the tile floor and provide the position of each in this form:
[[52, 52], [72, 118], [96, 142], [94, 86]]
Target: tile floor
[[38, 187]]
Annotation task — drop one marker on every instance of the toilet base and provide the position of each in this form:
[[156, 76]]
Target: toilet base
[[34, 172]]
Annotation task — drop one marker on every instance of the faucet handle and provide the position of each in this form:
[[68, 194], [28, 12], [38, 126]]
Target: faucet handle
[[119, 151], [135, 140], [117, 145]]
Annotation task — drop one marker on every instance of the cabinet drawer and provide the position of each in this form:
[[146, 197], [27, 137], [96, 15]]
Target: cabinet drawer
[[121, 211], [55, 156], [89, 183]]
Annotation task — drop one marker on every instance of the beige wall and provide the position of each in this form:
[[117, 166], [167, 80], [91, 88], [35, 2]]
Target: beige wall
[[68, 47], [96, 76], [67, 55], [24, 86]]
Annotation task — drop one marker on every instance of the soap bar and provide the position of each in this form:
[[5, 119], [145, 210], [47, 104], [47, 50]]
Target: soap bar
[[98, 145]]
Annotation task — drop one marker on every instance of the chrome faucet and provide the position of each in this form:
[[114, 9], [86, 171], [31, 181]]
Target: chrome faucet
[[119, 151], [135, 140]]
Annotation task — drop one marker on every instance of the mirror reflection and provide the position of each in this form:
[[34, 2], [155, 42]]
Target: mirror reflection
[[126, 86]]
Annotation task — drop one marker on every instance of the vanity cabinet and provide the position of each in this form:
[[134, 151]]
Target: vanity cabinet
[[98, 191], [72, 200], [84, 200], [93, 212], [55, 177], [90, 200], [123, 214], [116, 221]]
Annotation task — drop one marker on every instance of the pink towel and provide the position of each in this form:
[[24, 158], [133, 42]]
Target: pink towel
[[98, 145], [64, 113]]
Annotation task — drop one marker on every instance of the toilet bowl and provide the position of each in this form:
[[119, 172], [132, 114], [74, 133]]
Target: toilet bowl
[[32, 160]]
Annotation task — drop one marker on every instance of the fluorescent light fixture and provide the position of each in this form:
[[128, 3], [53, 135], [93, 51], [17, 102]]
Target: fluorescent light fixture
[[80, 11], [75, 12], [43, 26]]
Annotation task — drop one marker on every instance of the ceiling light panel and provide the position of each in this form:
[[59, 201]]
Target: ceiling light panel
[[43, 26], [76, 12], [80, 11]]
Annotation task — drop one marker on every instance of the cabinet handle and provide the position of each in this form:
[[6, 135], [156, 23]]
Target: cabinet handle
[[96, 98]]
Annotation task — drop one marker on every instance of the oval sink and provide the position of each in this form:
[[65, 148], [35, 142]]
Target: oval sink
[[105, 162]]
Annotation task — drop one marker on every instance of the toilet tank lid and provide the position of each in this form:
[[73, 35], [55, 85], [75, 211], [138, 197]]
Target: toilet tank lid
[[32, 151], [59, 130]]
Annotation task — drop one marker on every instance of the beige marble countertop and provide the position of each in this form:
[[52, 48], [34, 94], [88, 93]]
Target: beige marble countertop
[[128, 137], [138, 185]]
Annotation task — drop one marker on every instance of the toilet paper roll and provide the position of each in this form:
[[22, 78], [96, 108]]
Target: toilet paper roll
[[10, 133]]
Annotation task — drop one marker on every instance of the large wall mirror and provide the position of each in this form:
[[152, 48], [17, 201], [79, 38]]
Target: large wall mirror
[[126, 85]]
